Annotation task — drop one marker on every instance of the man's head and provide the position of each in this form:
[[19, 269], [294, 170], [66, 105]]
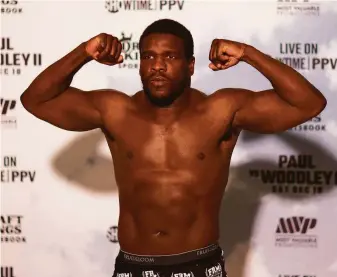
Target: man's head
[[167, 61]]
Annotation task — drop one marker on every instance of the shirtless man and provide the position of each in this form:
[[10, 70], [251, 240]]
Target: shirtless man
[[171, 144]]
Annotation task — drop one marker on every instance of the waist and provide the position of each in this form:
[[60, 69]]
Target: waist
[[160, 260]]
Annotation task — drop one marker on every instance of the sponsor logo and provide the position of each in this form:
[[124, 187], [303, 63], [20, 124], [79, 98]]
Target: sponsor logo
[[131, 52], [150, 273], [296, 231], [296, 174], [12, 62], [11, 229], [297, 7], [10, 7], [138, 259], [115, 6], [206, 250], [129, 274], [304, 56], [313, 125], [11, 174], [7, 271], [7, 106], [112, 234], [214, 271], [188, 274]]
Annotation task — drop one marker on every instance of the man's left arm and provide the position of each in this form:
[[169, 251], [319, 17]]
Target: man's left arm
[[292, 101]]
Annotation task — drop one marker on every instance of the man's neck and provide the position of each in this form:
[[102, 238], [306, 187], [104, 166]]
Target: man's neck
[[168, 114]]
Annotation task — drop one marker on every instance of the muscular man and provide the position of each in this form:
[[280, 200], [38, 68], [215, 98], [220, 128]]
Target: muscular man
[[171, 144]]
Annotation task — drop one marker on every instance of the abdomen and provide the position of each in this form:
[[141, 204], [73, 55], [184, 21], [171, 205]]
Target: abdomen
[[169, 210]]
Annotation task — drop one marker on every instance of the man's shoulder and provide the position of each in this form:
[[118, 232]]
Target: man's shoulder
[[228, 96], [108, 100], [109, 96], [230, 93]]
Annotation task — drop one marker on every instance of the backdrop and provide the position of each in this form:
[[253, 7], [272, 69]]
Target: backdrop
[[59, 202]]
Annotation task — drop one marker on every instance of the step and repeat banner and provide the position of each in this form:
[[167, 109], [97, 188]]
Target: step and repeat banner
[[59, 199]]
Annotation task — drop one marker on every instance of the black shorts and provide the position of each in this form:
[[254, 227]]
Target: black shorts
[[204, 262]]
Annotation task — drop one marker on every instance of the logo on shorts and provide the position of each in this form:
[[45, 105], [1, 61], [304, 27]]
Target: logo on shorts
[[214, 271], [124, 274], [150, 273], [189, 274]]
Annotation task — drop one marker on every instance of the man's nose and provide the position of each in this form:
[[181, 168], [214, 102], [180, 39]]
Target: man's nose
[[158, 64]]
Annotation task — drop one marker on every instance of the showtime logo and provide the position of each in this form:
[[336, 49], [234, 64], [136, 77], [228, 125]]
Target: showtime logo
[[296, 231]]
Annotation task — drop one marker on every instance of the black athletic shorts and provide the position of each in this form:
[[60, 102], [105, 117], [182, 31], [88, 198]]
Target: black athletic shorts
[[204, 262]]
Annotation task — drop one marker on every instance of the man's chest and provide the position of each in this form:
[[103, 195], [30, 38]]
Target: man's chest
[[191, 137]]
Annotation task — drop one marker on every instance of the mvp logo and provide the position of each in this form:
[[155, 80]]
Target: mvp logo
[[7, 105], [295, 224]]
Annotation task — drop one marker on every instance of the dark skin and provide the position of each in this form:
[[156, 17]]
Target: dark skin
[[171, 144]]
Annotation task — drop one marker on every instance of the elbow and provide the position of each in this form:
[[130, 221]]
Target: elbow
[[26, 102], [320, 105], [317, 107]]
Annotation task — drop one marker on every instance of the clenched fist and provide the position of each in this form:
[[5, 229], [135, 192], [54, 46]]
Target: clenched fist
[[105, 49], [225, 53]]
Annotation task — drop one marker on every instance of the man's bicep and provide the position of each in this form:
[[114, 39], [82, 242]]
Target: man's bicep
[[266, 112], [73, 110]]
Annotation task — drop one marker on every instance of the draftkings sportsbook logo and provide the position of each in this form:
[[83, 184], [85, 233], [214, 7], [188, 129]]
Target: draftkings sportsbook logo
[[112, 234], [7, 107], [131, 52], [315, 124], [11, 229], [115, 6], [297, 7], [296, 231], [10, 7]]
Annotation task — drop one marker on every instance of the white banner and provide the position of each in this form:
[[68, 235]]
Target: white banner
[[59, 199]]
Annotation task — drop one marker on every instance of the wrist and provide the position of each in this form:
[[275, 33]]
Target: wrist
[[84, 53], [247, 53]]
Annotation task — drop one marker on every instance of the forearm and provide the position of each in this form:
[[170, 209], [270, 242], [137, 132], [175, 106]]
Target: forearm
[[291, 86], [56, 78]]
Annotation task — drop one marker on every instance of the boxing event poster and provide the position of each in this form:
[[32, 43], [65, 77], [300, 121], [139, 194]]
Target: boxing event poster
[[59, 199]]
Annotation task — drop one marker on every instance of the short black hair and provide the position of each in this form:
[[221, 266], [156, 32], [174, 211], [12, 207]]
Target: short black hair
[[169, 26]]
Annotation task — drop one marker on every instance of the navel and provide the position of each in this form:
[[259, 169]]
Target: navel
[[160, 234], [201, 156]]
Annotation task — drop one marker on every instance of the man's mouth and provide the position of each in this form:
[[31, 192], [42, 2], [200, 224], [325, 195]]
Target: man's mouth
[[158, 81]]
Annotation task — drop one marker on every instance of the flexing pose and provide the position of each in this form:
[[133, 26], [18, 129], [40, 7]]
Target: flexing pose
[[171, 144]]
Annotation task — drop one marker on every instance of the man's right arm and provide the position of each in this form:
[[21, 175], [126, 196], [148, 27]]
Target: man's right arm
[[51, 98]]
